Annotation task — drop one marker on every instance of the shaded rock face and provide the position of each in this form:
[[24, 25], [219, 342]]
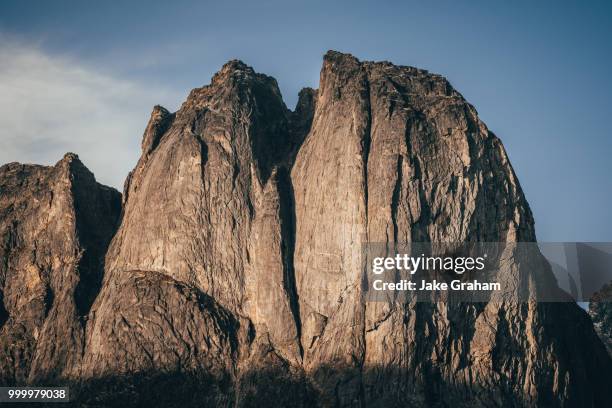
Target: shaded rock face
[[601, 313], [55, 225], [237, 268]]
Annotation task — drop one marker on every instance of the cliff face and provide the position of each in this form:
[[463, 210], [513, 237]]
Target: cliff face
[[395, 154], [55, 224], [238, 259]]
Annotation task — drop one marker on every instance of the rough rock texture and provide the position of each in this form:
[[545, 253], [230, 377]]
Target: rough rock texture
[[207, 210], [600, 310], [55, 225], [237, 269], [395, 154]]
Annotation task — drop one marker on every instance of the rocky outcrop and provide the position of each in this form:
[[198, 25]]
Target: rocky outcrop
[[238, 263], [600, 310], [55, 223]]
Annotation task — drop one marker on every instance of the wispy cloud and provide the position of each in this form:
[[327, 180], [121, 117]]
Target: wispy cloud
[[51, 104]]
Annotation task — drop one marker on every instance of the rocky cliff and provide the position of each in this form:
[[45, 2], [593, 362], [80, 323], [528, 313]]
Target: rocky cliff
[[236, 275], [55, 226]]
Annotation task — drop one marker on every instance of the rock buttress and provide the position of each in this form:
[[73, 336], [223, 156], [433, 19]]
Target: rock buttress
[[56, 224]]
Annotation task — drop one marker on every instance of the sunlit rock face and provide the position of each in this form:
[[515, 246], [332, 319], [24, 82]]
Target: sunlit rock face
[[237, 265], [396, 155], [55, 226]]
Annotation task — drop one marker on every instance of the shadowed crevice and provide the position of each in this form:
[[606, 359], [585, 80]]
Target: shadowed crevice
[[287, 215], [98, 210]]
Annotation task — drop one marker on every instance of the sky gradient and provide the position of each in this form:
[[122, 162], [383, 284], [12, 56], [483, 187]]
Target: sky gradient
[[84, 76]]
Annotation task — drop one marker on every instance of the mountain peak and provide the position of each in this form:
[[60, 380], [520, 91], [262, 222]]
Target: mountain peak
[[238, 258], [232, 69], [332, 55], [70, 157]]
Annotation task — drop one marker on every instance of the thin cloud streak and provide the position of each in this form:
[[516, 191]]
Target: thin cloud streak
[[50, 105]]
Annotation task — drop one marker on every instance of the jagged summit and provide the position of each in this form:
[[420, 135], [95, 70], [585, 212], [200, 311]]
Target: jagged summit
[[233, 67], [69, 157], [337, 57], [159, 121]]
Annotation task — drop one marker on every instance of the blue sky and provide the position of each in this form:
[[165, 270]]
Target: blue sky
[[83, 76]]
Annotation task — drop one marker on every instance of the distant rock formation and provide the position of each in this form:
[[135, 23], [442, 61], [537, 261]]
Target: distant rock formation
[[235, 276], [600, 310]]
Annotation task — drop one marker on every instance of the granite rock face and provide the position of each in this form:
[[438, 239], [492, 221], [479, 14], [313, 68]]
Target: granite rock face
[[238, 265], [207, 210], [55, 224], [395, 154]]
